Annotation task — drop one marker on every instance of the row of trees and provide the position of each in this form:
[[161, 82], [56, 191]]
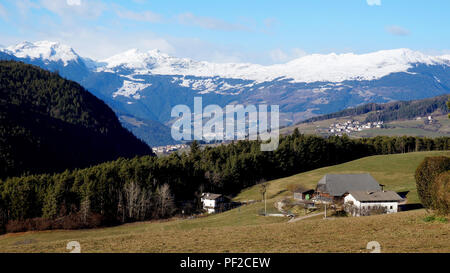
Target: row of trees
[[150, 187]]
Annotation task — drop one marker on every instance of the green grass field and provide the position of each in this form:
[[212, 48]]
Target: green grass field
[[394, 171], [243, 230]]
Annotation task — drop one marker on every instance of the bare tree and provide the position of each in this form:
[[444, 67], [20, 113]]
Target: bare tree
[[121, 210], [137, 201], [132, 196], [85, 209], [164, 201]]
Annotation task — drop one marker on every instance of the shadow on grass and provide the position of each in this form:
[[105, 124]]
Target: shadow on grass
[[408, 207], [403, 194]]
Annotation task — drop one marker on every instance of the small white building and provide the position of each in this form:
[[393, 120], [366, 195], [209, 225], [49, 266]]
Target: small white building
[[360, 203], [212, 202]]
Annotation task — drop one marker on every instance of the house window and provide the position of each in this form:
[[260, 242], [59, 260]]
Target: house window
[[390, 207]]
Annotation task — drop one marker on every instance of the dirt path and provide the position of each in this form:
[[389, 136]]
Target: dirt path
[[305, 217]]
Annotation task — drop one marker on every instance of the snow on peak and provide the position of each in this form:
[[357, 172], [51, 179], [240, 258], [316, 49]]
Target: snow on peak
[[45, 50], [135, 59], [311, 68], [340, 67]]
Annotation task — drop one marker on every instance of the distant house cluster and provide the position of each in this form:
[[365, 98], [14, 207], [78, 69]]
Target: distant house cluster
[[360, 194], [427, 120], [352, 126], [169, 148]]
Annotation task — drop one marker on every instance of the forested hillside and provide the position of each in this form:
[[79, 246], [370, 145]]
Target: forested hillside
[[50, 124], [156, 187], [392, 111]]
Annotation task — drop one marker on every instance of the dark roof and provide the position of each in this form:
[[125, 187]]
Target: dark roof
[[364, 196], [339, 184], [211, 196]]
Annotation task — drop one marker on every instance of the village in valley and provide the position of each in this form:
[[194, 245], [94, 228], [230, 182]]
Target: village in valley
[[353, 126], [167, 149]]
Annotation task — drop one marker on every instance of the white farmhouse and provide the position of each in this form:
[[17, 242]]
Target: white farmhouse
[[212, 202], [360, 203]]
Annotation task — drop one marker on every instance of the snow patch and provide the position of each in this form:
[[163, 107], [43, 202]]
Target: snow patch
[[130, 89]]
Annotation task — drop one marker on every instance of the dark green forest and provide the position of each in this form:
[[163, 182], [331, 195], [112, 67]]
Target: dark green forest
[[49, 124], [149, 187], [391, 111]]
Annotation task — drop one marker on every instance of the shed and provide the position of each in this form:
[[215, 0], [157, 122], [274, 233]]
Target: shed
[[302, 193]]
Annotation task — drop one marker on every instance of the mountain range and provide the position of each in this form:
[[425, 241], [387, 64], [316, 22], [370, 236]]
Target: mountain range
[[142, 87]]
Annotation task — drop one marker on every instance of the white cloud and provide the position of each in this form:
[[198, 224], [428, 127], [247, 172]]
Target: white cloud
[[374, 2], [74, 2], [397, 30], [3, 13], [71, 8], [104, 43], [280, 56], [209, 23], [144, 16]]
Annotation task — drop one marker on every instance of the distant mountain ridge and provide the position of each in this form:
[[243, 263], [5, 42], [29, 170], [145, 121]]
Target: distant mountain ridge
[[50, 124], [146, 85]]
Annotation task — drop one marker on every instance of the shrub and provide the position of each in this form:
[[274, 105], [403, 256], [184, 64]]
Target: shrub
[[433, 218], [441, 193], [425, 175], [71, 221]]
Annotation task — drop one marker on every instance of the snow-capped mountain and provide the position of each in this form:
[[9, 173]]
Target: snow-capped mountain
[[50, 55], [311, 68], [45, 51], [144, 86]]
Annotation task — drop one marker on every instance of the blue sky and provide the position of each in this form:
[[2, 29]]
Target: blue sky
[[258, 31]]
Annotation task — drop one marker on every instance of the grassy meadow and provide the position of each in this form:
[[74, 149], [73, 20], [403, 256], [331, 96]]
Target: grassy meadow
[[243, 230], [395, 171]]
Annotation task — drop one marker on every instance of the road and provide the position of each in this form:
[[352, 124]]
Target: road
[[293, 220]]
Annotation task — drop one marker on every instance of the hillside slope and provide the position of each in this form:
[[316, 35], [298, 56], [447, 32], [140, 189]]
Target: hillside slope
[[50, 124], [392, 111], [399, 118], [243, 230], [395, 171]]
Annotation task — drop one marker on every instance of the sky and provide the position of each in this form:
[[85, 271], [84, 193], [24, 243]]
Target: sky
[[256, 31]]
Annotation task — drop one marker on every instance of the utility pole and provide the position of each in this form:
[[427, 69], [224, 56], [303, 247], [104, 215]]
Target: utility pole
[[265, 204], [263, 191]]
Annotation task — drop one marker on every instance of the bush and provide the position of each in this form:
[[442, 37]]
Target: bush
[[441, 193], [425, 175], [71, 221], [433, 218]]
